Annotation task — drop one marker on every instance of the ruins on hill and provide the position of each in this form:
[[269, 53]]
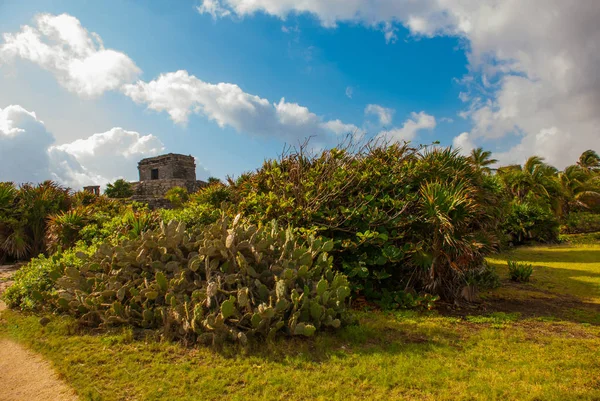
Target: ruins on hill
[[161, 173]]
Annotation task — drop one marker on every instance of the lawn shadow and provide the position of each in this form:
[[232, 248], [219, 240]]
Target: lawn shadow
[[560, 293], [381, 334], [554, 255]]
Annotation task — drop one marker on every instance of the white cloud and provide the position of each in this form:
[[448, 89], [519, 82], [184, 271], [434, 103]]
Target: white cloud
[[181, 94], [410, 128], [349, 92], [464, 143], [112, 154], [213, 7], [385, 115], [533, 64], [78, 59], [24, 141], [80, 62], [27, 153]]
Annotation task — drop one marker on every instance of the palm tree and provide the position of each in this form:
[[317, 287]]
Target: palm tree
[[534, 178], [589, 161], [578, 187], [482, 159]]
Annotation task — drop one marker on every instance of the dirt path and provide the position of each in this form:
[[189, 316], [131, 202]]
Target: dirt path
[[24, 375]]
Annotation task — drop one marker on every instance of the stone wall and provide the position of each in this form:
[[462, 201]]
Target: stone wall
[[169, 166], [158, 188], [153, 192]]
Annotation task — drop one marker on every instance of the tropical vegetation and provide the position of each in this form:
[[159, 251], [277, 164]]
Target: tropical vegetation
[[285, 248]]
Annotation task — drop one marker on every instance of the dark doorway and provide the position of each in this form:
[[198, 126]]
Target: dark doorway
[[154, 174]]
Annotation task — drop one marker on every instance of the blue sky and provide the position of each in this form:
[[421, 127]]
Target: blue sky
[[313, 57]]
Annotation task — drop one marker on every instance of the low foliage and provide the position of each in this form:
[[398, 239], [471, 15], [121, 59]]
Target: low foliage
[[177, 196], [526, 223], [34, 287], [581, 223], [519, 271], [232, 280]]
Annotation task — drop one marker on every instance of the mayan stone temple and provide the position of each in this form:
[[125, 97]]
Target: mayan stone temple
[[161, 173]]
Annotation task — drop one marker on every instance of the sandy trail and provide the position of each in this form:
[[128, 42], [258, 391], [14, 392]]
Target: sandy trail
[[24, 375]]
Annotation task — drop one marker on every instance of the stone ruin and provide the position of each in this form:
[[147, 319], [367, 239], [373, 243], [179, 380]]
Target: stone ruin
[[93, 189], [161, 173]]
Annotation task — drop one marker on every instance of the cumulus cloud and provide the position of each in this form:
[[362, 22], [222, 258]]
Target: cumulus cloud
[[28, 153], [78, 58], [384, 115], [464, 143], [80, 62], [112, 154], [533, 64], [410, 128], [24, 142], [181, 94]]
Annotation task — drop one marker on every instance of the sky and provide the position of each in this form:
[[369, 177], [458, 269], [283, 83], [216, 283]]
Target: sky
[[88, 88]]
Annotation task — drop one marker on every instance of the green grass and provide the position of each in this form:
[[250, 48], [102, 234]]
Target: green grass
[[520, 348]]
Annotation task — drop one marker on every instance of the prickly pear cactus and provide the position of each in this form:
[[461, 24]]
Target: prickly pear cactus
[[231, 281]]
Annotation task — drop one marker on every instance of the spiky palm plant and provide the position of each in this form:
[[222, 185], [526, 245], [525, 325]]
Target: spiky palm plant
[[459, 209], [535, 179], [37, 203], [64, 227], [578, 188], [482, 160]]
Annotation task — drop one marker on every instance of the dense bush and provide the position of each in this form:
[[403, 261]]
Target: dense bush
[[34, 286], [23, 217], [526, 223], [401, 218], [408, 225], [581, 223], [177, 196], [231, 280], [213, 195], [194, 215]]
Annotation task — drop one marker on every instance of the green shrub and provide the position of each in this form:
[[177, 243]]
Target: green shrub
[[33, 288], [581, 223], [24, 215], [194, 215], [526, 223], [213, 195], [232, 280], [589, 238], [519, 271], [485, 277], [401, 218], [64, 228], [119, 189], [177, 196]]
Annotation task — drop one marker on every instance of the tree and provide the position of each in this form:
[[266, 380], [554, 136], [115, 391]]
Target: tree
[[213, 180], [534, 179], [481, 160], [119, 189], [589, 161], [578, 188]]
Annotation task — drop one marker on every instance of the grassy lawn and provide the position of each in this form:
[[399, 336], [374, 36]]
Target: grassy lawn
[[539, 340]]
